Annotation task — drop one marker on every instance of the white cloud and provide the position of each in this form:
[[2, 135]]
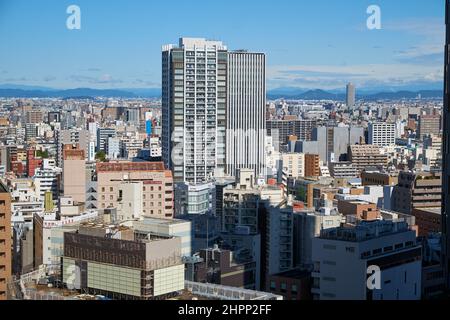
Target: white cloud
[[331, 77]]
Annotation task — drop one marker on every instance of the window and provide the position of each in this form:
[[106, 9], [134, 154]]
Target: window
[[294, 289], [329, 279], [329, 247], [377, 251], [350, 249], [273, 285], [283, 287]]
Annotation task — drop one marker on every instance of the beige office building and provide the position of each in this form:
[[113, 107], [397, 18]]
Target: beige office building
[[74, 173], [157, 186]]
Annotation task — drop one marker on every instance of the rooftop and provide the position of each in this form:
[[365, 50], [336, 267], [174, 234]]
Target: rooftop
[[129, 166], [365, 230]]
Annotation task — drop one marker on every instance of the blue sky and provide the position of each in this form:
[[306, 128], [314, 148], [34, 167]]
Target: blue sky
[[309, 44]]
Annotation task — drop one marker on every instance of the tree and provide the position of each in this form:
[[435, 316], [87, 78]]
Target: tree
[[101, 156], [42, 154]]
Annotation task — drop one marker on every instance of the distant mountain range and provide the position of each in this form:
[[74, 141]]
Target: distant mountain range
[[20, 91], [12, 91]]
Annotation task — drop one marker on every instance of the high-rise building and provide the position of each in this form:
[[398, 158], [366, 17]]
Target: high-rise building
[[382, 134], [351, 95], [246, 112], [280, 130], [54, 117], [72, 136], [417, 191], [331, 143], [5, 240], [240, 204], [103, 134], [194, 99], [30, 131], [312, 165], [133, 115], [429, 125], [34, 116], [446, 154], [363, 156], [307, 225]]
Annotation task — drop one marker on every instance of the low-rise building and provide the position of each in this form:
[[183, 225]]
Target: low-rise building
[[119, 263]]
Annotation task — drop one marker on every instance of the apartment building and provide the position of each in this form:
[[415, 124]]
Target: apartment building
[[343, 170], [312, 165], [363, 156], [382, 134], [293, 164], [429, 125], [417, 191], [281, 129], [194, 106], [241, 203]]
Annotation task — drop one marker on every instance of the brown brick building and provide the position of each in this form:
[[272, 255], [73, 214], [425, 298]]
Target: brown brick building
[[361, 209], [374, 178], [292, 285], [428, 220]]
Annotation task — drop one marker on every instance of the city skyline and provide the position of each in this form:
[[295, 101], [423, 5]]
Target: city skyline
[[224, 151], [408, 47]]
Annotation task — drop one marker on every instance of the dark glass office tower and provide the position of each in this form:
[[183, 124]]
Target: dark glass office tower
[[446, 151]]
